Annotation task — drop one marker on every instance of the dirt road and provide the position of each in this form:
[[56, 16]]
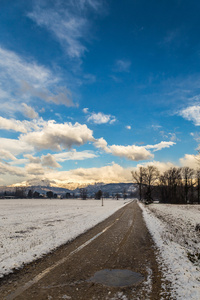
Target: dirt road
[[120, 242]]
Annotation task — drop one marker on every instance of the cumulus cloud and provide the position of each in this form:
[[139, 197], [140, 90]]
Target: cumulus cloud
[[15, 147], [162, 166], [21, 126], [29, 112], [128, 127], [12, 124], [191, 161], [102, 144], [5, 168], [32, 159], [191, 113], [100, 118], [34, 169], [56, 136], [133, 152], [49, 161]]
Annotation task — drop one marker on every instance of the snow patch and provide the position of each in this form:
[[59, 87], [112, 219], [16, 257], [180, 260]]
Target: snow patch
[[173, 230]]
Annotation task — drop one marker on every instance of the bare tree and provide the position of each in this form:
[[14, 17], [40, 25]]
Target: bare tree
[[198, 185], [151, 177], [83, 193], [187, 174], [138, 178], [173, 181]]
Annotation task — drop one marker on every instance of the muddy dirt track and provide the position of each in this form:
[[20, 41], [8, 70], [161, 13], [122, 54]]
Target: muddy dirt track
[[120, 242]]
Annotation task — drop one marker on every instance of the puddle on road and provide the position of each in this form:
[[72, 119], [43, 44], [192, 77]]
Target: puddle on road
[[116, 277]]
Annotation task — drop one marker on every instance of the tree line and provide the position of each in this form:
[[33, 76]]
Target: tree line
[[21, 193], [176, 185]]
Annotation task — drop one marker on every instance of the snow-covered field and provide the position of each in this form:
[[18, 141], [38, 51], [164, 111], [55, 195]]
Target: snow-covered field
[[173, 230], [32, 228]]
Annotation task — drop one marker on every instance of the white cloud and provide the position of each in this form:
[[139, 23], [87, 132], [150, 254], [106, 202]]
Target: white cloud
[[191, 161], [94, 4], [21, 126], [101, 118], [98, 118], [160, 146], [11, 124], [128, 127], [15, 147], [29, 112], [21, 78], [133, 152], [122, 65], [4, 154], [34, 169], [16, 68], [74, 155], [68, 21], [85, 110], [102, 144], [32, 159], [60, 96], [191, 113], [107, 174], [56, 136], [162, 166], [5, 168], [67, 27], [49, 161]]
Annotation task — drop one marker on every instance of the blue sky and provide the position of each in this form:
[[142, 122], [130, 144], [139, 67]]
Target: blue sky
[[92, 89]]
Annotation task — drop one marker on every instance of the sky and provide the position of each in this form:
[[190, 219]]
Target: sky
[[92, 89]]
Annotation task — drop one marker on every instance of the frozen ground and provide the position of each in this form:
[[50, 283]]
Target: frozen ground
[[173, 230], [32, 228]]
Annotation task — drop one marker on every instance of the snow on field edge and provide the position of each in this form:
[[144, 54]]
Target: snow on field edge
[[184, 277]]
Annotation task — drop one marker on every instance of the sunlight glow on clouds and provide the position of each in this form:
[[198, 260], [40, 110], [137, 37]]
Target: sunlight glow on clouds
[[107, 174], [191, 161]]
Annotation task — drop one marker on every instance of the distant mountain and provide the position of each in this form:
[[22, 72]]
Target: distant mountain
[[111, 188], [107, 189]]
